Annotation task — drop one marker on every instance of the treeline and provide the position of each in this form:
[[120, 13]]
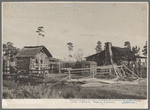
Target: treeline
[[127, 44]]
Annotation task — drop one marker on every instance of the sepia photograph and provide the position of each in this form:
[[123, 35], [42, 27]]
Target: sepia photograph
[[74, 54]]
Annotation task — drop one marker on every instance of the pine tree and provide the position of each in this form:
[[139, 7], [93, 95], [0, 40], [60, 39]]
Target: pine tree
[[127, 45], [70, 48], [98, 47], [145, 49], [136, 50]]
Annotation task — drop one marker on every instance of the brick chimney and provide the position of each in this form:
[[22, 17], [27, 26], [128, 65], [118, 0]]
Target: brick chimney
[[108, 53]]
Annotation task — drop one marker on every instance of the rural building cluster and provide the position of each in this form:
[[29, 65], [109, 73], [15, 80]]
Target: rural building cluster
[[92, 53], [112, 60]]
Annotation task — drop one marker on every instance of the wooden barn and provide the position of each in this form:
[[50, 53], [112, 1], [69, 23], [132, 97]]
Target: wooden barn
[[32, 58]]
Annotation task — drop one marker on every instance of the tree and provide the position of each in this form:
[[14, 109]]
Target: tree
[[98, 47], [70, 48], [79, 55], [145, 49], [136, 50], [127, 45], [40, 32], [9, 51]]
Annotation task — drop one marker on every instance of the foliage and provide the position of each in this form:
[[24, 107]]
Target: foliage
[[79, 55], [145, 49], [12, 90], [70, 48], [127, 45], [136, 50], [98, 47], [9, 50], [40, 30]]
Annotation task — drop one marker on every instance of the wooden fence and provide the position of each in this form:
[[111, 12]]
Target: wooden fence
[[92, 72], [27, 77], [87, 72], [78, 73]]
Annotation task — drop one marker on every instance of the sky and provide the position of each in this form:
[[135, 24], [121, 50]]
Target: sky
[[82, 23]]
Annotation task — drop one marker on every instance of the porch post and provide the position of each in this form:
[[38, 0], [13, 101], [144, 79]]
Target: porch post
[[93, 73], [39, 65], [69, 74], [59, 68]]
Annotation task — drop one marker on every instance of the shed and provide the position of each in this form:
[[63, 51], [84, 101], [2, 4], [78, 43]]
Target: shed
[[54, 65], [85, 64], [33, 58]]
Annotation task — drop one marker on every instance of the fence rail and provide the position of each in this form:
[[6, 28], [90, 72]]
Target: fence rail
[[98, 70]]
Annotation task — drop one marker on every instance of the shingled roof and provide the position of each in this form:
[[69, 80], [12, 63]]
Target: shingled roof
[[31, 51]]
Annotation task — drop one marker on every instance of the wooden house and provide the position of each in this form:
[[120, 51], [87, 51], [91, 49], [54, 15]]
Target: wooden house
[[116, 53], [32, 58]]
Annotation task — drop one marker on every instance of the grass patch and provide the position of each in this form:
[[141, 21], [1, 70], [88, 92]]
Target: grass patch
[[64, 90]]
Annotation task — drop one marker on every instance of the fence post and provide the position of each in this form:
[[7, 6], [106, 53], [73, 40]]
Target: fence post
[[18, 76], [93, 72], [5, 66], [44, 77], [139, 67], [69, 74], [39, 66], [109, 71], [59, 68], [8, 67]]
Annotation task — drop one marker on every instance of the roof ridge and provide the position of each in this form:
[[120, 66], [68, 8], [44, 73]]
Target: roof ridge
[[28, 51], [33, 46]]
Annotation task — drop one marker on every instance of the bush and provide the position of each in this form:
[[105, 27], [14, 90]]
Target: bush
[[10, 84], [12, 90], [16, 91]]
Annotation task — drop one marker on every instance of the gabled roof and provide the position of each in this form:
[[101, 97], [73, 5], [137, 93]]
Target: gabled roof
[[123, 53], [118, 53], [31, 51], [102, 53]]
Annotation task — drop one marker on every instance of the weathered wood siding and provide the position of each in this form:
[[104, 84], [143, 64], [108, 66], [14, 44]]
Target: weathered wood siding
[[23, 63], [33, 63]]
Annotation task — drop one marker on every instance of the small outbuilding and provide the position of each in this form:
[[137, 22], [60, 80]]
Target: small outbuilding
[[33, 58], [85, 64]]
